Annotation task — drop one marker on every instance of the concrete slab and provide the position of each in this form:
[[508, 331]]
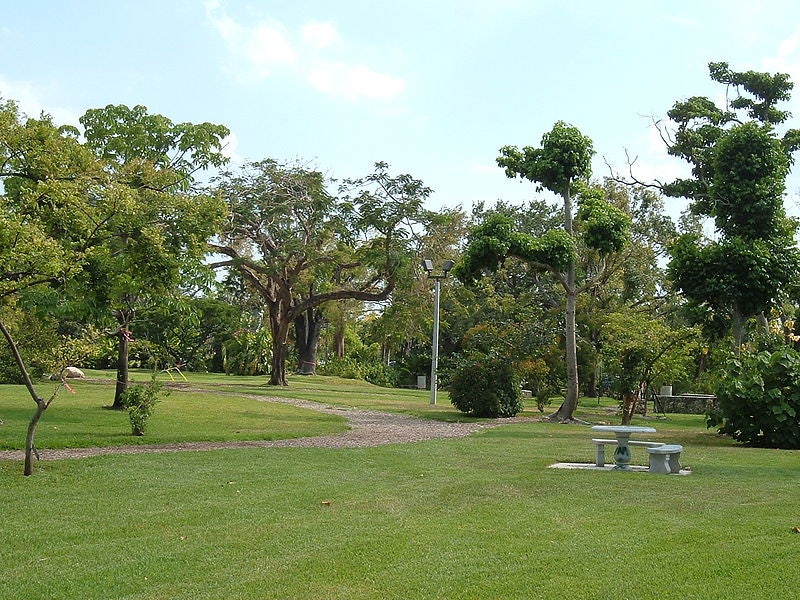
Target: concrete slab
[[594, 467]]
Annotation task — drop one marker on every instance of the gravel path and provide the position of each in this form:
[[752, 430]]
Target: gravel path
[[367, 428]]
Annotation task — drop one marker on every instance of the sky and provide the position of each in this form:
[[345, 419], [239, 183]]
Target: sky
[[434, 88]]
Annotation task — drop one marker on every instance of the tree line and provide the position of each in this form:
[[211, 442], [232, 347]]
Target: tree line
[[130, 240]]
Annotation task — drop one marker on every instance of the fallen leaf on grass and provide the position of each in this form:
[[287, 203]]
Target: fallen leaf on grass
[[326, 503]]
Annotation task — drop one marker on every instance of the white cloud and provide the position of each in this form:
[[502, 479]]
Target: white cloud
[[31, 101], [353, 81], [261, 47], [788, 58], [258, 49], [267, 46], [320, 35]]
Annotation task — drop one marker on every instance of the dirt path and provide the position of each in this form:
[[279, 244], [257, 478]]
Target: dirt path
[[367, 428]]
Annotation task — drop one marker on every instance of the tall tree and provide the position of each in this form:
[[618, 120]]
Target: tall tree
[[739, 168], [561, 165], [300, 247], [158, 222], [47, 186]]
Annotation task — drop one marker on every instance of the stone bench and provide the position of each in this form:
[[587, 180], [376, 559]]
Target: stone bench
[[665, 459], [600, 457]]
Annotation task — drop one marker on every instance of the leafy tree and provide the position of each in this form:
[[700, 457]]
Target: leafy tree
[[640, 351], [48, 182], [562, 165], [156, 224], [739, 166], [633, 279], [299, 247], [189, 331]]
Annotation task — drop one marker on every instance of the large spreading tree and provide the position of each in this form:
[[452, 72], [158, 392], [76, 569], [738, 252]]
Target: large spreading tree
[[298, 246]]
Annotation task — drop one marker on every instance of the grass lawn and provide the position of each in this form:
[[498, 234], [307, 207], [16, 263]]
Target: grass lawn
[[476, 517], [83, 419]]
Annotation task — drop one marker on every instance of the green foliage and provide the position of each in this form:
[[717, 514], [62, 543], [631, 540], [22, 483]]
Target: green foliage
[[37, 340], [483, 386], [372, 371], [494, 241], [733, 273], [739, 168], [639, 350], [605, 227], [564, 157], [759, 399], [247, 352], [750, 167], [140, 400]]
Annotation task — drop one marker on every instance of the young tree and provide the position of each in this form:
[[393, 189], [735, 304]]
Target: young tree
[[47, 181], [562, 165], [300, 247]]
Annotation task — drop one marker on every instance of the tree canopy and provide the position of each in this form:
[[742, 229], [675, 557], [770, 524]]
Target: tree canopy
[[739, 168]]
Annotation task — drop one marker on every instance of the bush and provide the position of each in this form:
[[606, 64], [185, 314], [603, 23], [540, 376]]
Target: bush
[[141, 400], [759, 400], [372, 371], [486, 387]]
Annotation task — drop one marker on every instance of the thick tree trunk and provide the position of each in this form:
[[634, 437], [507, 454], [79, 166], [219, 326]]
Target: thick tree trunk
[[307, 328], [338, 342], [279, 326]]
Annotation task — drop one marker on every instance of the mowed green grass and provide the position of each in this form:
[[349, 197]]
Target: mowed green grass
[[83, 419], [476, 517]]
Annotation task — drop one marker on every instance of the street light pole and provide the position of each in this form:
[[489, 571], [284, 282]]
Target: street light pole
[[437, 286]]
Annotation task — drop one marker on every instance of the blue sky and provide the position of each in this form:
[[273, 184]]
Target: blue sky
[[434, 87]]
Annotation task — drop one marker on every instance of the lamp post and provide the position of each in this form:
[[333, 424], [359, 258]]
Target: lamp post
[[437, 286]]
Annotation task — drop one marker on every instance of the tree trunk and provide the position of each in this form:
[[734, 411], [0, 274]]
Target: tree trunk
[[124, 318], [279, 326], [629, 400], [338, 342], [307, 328], [591, 382], [41, 404], [122, 367], [567, 408]]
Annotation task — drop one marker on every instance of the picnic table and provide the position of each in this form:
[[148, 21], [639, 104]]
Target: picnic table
[[622, 454]]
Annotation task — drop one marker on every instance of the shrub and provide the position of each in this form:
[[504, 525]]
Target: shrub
[[486, 387], [759, 400], [141, 400], [373, 371]]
